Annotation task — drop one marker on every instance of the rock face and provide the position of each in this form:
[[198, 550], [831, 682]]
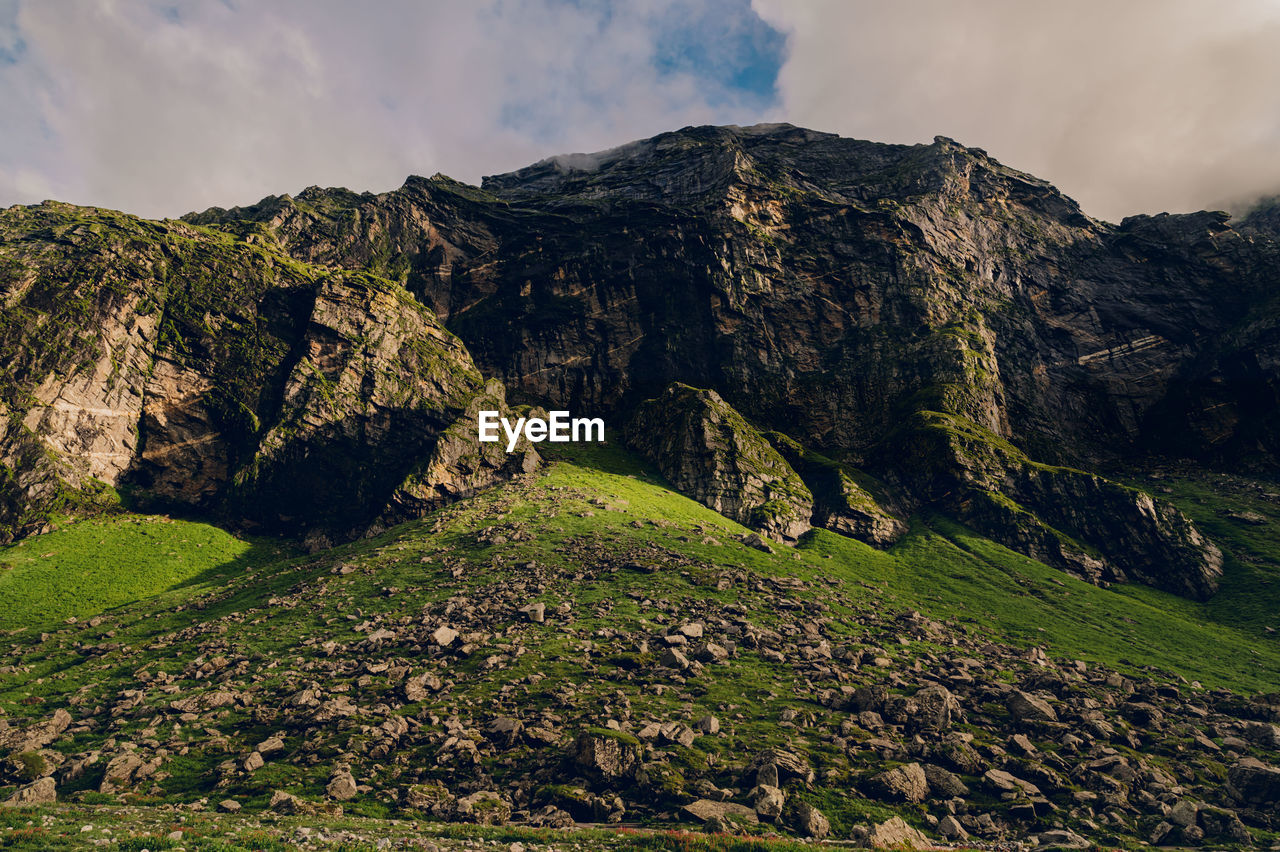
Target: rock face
[[214, 373], [959, 331], [874, 301], [842, 503], [1252, 782], [709, 452]]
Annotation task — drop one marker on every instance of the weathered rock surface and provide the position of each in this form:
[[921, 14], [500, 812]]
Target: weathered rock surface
[[709, 452], [851, 294], [895, 833], [225, 376], [841, 503], [1253, 782], [42, 791]]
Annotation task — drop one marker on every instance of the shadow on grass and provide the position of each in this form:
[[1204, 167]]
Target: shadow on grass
[[609, 457]]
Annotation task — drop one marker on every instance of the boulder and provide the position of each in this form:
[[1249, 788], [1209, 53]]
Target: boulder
[[706, 810], [789, 765], [42, 791], [485, 807], [906, 783], [1062, 839], [1252, 782], [607, 754], [936, 707], [1026, 707], [36, 736], [342, 786], [895, 833], [768, 801], [808, 821]]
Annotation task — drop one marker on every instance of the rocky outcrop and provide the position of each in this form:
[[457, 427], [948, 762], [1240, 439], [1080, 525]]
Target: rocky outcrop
[[850, 294], [842, 503], [835, 289], [208, 372], [709, 452], [377, 418], [1083, 523]]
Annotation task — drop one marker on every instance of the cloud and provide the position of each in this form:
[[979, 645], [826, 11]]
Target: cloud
[[160, 108], [163, 107], [1134, 106]]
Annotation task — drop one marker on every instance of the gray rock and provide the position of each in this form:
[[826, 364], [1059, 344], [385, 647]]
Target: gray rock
[[342, 786], [485, 807], [936, 706], [895, 833], [671, 658], [270, 745], [705, 810], [1028, 708], [1252, 782], [906, 783], [767, 801], [42, 791], [808, 821], [950, 828], [944, 784], [607, 756], [1061, 839], [1004, 782]]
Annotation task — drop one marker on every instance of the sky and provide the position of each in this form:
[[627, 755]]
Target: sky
[[159, 107]]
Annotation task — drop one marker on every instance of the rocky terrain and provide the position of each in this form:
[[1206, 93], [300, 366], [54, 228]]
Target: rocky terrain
[[934, 511], [584, 647]]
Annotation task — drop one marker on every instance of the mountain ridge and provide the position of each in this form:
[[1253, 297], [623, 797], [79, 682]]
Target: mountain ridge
[[957, 328]]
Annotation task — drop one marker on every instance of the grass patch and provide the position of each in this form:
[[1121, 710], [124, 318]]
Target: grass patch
[[89, 567]]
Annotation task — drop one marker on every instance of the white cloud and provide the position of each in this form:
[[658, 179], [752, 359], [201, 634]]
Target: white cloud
[[1129, 106], [163, 108]]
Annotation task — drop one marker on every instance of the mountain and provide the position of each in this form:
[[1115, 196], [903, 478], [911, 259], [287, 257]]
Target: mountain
[[868, 363], [958, 330]]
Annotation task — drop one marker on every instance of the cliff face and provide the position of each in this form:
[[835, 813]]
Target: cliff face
[[709, 452], [958, 329], [197, 370], [827, 284]]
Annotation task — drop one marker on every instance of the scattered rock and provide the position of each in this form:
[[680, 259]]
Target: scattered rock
[[1028, 708]]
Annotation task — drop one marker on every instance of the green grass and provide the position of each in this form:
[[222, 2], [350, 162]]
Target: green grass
[[633, 559], [89, 567], [939, 567], [59, 827], [1249, 593]]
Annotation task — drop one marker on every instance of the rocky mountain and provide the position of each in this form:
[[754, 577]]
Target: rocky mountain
[[955, 330], [909, 387], [186, 367]]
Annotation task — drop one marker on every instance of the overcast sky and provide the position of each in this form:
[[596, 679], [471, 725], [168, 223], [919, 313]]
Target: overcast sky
[[163, 107]]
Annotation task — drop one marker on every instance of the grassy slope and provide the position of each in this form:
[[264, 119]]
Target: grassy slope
[[939, 568], [92, 566], [598, 503], [1249, 597]]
